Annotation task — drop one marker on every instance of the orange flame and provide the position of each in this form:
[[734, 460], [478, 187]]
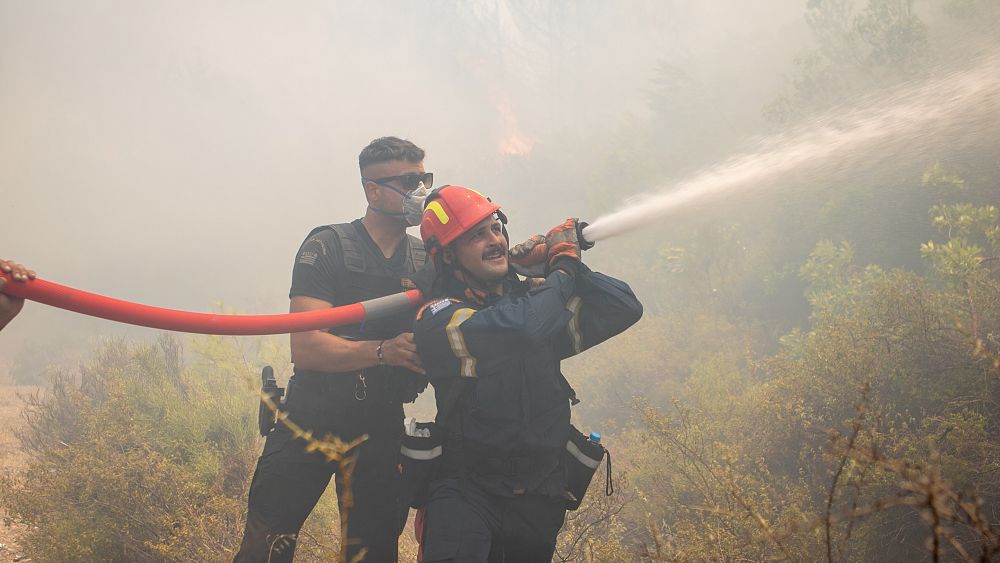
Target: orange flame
[[512, 141]]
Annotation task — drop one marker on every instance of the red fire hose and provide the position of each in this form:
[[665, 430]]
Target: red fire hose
[[96, 305]]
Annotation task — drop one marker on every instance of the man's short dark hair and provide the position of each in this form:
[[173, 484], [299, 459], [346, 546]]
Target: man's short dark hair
[[385, 149]]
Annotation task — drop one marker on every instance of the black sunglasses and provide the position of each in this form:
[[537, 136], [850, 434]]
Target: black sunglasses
[[409, 181]]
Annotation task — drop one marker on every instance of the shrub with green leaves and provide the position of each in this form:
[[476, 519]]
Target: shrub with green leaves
[[139, 458]]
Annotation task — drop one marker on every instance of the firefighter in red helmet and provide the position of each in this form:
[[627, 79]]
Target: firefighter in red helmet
[[492, 347]]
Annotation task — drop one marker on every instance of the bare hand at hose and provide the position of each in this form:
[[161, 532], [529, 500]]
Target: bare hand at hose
[[10, 306], [402, 352]]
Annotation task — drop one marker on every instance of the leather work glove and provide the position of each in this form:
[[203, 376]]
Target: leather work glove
[[563, 244], [530, 257]]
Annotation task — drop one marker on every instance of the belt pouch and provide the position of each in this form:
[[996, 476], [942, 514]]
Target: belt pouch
[[420, 455], [582, 458]]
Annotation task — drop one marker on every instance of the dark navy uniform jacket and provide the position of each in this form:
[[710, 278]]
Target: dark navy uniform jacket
[[513, 420]]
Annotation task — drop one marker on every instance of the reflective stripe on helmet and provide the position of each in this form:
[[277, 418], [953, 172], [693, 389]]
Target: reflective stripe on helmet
[[438, 211]]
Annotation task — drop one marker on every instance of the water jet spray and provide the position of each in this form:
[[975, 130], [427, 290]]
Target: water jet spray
[[910, 119]]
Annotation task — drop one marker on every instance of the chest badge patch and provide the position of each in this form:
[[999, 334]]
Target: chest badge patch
[[407, 283]]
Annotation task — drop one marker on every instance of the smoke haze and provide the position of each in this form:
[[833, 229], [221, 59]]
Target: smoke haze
[[177, 153], [907, 125]]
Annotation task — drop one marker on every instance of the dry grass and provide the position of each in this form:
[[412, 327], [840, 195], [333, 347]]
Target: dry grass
[[12, 458]]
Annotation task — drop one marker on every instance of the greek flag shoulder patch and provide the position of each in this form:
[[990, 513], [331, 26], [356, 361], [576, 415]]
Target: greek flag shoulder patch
[[438, 306], [435, 307]]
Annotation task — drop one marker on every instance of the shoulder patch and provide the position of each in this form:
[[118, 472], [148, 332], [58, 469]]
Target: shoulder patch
[[441, 305], [436, 307], [311, 250], [307, 257]]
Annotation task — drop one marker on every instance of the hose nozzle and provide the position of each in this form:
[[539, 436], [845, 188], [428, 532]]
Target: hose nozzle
[[581, 228]]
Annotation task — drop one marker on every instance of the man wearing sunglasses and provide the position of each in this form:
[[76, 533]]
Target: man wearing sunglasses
[[348, 381]]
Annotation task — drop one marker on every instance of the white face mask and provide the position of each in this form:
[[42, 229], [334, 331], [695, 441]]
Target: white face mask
[[413, 204]]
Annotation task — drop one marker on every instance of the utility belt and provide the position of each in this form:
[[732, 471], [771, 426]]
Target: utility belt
[[516, 467], [362, 384], [580, 460], [423, 450], [381, 383], [366, 389]]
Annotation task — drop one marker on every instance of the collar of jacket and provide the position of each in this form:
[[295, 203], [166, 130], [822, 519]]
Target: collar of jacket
[[457, 289]]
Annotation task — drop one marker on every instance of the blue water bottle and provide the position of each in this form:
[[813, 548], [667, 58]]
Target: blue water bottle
[[595, 437]]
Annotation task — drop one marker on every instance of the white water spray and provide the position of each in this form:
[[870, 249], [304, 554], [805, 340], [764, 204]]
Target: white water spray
[[957, 108]]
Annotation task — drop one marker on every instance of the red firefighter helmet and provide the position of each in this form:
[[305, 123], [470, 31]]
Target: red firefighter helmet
[[450, 211]]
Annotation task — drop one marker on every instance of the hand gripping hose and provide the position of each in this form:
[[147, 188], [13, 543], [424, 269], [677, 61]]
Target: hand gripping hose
[[96, 305]]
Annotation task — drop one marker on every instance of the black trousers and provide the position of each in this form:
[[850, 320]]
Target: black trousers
[[289, 481], [466, 524]]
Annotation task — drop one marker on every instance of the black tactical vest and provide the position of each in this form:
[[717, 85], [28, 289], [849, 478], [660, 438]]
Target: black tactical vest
[[364, 276]]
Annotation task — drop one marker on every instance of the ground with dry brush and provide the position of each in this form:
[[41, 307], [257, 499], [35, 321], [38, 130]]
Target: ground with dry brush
[[11, 459]]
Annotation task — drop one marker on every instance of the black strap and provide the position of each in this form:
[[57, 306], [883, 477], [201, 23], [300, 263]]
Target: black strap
[[417, 252], [354, 258], [609, 486], [318, 229], [570, 392], [350, 246], [351, 257]]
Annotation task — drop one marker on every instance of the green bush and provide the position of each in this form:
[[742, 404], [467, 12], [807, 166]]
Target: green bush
[[137, 458]]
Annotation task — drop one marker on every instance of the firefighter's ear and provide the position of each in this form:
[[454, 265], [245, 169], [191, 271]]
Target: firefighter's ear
[[448, 256], [371, 189]]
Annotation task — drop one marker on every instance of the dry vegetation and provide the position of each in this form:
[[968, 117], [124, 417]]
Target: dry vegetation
[[870, 434], [819, 372], [12, 459]]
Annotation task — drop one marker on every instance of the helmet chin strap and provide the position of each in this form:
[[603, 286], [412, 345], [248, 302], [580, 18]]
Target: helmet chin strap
[[471, 279], [468, 278]]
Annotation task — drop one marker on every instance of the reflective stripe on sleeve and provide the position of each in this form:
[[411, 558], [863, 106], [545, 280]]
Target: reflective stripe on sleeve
[[457, 341], [575, 336]]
